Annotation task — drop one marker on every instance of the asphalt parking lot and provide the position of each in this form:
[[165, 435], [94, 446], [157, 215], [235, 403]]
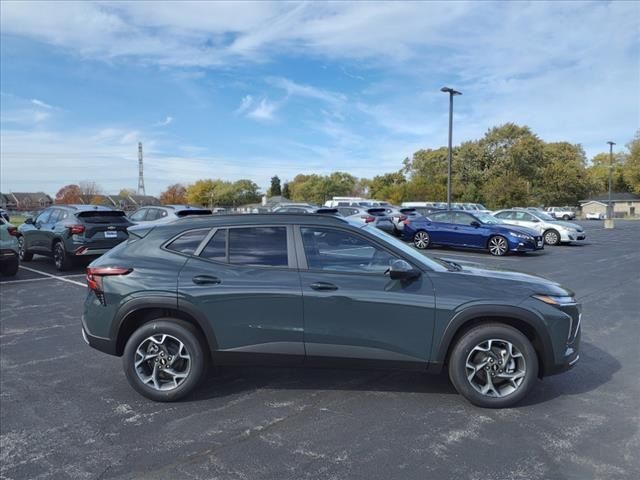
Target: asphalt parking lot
[[68, 412]]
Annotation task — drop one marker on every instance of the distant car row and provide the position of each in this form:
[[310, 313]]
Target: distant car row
[[69, 232]]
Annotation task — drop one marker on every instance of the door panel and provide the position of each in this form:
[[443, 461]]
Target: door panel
[[361, 314], [251, 309]]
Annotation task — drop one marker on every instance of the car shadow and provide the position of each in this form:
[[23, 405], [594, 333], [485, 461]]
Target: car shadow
[[595, 369]]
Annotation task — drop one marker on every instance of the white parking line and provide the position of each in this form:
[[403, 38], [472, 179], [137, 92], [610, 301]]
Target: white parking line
[[62, 279]]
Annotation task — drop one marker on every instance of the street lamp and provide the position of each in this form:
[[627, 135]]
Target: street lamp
[[609, 210], [451, 93]]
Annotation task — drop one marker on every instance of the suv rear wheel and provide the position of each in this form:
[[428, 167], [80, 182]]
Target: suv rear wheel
[[493, 366], [164, 360], [61, 258], [22, 251]]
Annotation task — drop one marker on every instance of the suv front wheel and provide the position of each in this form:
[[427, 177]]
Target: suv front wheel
[[493, 366], [164, 360]]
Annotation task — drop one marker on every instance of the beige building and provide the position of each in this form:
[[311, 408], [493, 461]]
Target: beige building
[[625, 204]]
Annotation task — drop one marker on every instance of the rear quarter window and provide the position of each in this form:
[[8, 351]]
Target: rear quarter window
[[188, 242]]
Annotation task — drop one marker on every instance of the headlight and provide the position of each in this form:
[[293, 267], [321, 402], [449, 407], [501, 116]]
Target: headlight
[[523, 236], [555, 301]]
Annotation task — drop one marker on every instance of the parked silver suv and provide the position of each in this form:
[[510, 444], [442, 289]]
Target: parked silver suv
[[564, 213], [165, 213], [553, 231]]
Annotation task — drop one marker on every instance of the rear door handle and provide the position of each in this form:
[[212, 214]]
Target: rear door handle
[[206, 280], [323, 286]]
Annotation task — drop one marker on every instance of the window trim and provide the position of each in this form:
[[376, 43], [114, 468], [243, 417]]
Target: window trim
[[302, 259]]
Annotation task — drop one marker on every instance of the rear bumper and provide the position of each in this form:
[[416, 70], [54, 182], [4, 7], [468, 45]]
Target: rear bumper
[[8, 255], [105, 345]]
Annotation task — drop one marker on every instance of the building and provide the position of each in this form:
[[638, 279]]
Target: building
[[25, 201], [625, 204]]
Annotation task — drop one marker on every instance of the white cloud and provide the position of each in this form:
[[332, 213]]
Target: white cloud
[[245, 104], [41, 104], [307, 91], [167, 121], [264, 110]]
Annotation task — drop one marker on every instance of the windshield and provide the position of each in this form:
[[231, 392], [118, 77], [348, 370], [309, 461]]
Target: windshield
[[479, 206], [545, 216], [429, 262], [488, 219]]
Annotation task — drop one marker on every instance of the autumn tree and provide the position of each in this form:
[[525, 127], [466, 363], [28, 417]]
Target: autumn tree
[[631, 166], [175, 194], [69, 194]]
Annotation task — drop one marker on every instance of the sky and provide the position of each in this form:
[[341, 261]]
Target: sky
[[251, 90]]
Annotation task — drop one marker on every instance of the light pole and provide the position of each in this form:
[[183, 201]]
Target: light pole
[[611, 144], [451, 93]]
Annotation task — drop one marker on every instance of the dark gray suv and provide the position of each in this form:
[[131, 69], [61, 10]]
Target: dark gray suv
[[71, 232], [317, 290]]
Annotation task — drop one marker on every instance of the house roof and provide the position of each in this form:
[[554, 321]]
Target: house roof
[[34, 197], [615, 197]]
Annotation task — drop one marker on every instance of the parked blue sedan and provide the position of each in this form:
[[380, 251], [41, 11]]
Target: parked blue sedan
[[463, 229]]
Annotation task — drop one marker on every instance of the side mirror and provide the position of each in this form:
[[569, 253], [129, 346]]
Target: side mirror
[[402, 270], [29, 220], [475, 223]]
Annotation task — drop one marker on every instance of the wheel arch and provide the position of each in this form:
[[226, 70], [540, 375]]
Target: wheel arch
[[140, 311], [528, 323]]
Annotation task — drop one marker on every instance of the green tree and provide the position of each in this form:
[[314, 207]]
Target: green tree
[[390, 187], [631, 165], [275, 187], [316, 188], [563, 179], [285, 191], [598, 174]]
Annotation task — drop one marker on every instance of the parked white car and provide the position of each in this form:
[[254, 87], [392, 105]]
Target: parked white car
[[553, 231], [594, 216], [564, 213]]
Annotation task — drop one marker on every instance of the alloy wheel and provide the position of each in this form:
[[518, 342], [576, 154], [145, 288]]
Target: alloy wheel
[[498, 246], [421, 240], [551, 238], [495, 368], [162, 362], [58, 256]]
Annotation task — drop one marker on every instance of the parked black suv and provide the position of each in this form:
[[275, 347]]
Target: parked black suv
[[67, 232], [315, 289]]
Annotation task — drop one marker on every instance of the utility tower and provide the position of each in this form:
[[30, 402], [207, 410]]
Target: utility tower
[[140, 174]]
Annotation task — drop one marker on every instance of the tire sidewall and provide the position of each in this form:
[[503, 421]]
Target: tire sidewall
[[22, 250], [66, 261], [475, 336], [184, 332]]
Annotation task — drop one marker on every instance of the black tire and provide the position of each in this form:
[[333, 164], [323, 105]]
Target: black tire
[[551, 237], [498, 246], [22, 252], [194, 347], [565, 217], [422, 239], [479, 335], [10, 268], [62, 260]]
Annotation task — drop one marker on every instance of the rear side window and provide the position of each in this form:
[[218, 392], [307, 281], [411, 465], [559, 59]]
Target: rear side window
[[187, 242], [266, 246], [216, 249]]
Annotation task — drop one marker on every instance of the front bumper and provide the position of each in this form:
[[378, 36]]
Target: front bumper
[[573, 236], [522, 245], [570, 356]]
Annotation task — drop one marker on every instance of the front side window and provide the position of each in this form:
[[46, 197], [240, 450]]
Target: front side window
[[44, 216], [139, 215], [265, 246], [340, 251], [188, 242], [504, 215]]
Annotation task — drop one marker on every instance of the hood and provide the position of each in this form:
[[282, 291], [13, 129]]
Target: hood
[[516, 228], [574, 226], [537, 284]]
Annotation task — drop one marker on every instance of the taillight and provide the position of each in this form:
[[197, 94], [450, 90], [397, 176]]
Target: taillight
[[369, 219], [76, 229], [94, 278], [13, 231]]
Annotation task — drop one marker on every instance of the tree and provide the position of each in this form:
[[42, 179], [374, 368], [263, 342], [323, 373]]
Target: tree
[[598, 173], [316, 188], [69, 194], [390, 187], [89, 188], [631, 166], [175, 194], [285, 191], [275, 189], [563, 179], [218, 192], [125, 192]]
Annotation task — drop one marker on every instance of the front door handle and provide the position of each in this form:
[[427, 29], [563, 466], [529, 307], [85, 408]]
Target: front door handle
[[206, 280], [323, 286]]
